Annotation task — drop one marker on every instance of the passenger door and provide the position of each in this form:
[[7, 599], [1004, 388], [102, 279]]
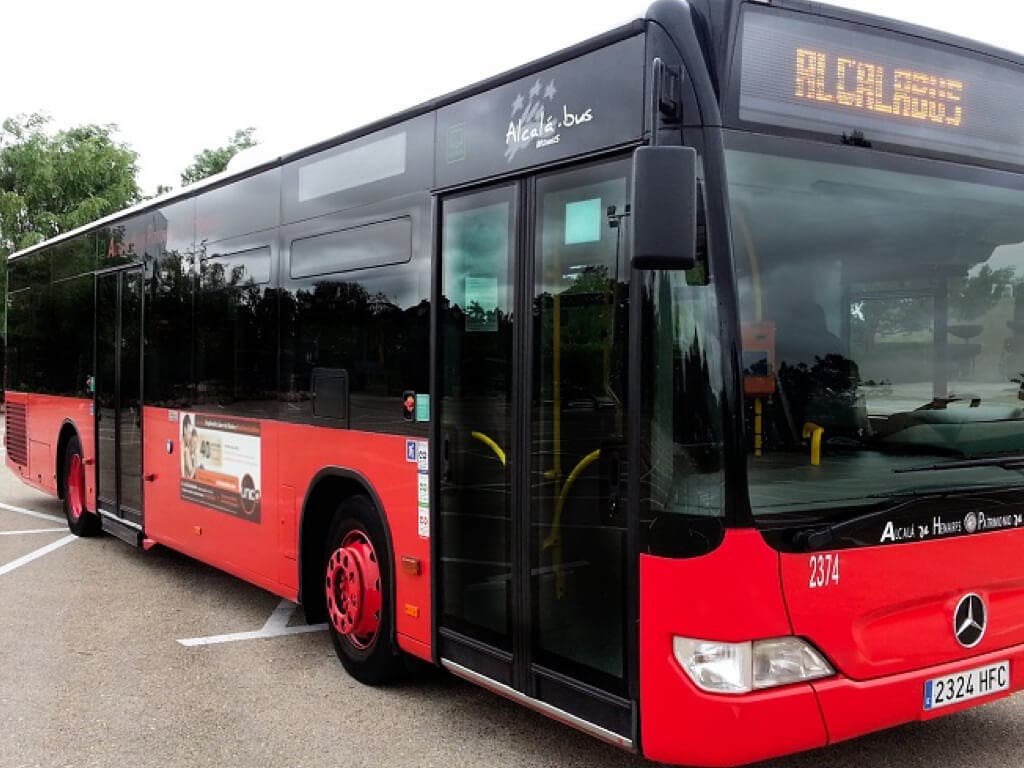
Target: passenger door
[[533, 517], [118, 385]]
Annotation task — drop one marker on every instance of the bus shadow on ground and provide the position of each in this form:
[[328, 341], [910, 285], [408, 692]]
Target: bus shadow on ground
[[955, 740]]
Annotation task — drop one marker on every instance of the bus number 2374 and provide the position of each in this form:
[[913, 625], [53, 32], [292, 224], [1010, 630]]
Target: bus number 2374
[[824, 570]]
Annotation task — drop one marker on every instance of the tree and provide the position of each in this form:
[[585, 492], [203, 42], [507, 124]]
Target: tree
[[211, 161], [53, 182], [971, 298]]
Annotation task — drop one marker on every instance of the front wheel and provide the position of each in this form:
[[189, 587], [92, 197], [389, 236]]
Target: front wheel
[[81, 521], [357, 579]]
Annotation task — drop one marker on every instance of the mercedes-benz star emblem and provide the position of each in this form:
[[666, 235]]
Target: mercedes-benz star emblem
[[969, 620]]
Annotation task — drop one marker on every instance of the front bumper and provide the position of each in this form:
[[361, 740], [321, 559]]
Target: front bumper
[[852, 708], [719, 730]]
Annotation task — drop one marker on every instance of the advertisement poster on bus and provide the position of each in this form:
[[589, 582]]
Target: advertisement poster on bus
[[220, 464]]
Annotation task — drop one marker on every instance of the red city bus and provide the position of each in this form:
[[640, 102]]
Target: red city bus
[[669, 385]]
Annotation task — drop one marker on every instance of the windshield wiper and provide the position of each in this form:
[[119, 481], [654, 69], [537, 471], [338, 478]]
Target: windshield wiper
[[819, 538], [1003, 462]]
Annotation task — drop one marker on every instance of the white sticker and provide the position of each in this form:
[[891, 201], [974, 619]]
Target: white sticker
[[824, 570], [422, 457], [423, 522], [423, 490]]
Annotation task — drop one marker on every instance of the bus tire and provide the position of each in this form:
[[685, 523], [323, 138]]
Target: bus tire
[[81, 521], [357, 579]]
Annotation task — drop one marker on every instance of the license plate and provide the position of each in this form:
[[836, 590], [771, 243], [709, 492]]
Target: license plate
[[963, 686]]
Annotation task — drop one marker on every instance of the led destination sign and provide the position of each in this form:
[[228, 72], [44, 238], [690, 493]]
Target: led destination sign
[[861, 85], [805, 72]]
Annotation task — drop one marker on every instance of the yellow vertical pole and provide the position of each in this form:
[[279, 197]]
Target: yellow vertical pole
[[556, 373], [758, 410], [814, 432]]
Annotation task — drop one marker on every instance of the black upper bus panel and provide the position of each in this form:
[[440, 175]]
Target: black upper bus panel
[[560, 112]]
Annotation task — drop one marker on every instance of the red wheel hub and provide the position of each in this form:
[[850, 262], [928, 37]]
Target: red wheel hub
[[353, 590], [76, 486]]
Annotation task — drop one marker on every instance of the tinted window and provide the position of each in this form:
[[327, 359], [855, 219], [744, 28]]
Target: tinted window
[[75, 257], [367, 329], [27, 319], [64, 341], [168, 317], [123, 243], [245, 206], [31, 271], [236, 331], [18, 359], [18, 274], [372, 245], [239, 268]]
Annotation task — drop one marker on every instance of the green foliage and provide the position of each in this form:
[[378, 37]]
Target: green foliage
[[972, 297], [53, 182], [211, 161]]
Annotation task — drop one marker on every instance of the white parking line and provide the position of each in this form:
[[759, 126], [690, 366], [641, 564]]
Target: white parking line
[[30, 513], [33, 530], [36, 554], [276, 626]]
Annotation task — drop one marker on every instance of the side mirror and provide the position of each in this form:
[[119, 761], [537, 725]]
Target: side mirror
[[664, 210]]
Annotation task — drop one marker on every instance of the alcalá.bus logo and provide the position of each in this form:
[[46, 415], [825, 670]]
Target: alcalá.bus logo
[[535, 125]]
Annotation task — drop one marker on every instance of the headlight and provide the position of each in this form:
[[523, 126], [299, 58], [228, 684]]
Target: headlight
[[742, 667]]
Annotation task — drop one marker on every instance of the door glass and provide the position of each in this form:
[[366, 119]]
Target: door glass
[[475, 356], [106, 346], [578, 420], [130, 405]]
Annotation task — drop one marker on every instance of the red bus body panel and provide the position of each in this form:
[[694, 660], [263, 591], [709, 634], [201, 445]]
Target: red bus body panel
[[266, 553], [852, 708], [732, 594], [886, 625], [44, 417], [892, 609]]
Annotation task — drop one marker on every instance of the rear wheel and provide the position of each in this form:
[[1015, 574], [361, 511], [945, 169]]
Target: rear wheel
[[357, 578], [81, 521]]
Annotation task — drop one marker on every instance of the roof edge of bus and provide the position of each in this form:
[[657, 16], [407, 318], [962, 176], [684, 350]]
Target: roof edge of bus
[[629, 29]]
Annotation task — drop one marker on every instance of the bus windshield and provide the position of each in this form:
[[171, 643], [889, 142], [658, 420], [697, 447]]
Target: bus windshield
[[882, 320]]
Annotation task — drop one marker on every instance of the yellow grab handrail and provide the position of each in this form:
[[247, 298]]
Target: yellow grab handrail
[[553, 541], [490, 444]]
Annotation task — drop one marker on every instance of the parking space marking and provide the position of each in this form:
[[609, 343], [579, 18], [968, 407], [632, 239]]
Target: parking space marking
[[32, 530], [4, 569], [30, 513], [276, 626]]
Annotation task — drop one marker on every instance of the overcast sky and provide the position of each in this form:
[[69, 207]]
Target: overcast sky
[[181, 76]]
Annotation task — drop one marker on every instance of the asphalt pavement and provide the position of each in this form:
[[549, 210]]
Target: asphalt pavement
[[92, 674]]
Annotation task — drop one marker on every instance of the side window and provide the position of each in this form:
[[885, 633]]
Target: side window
[[240, 208], [168, 315], [73, 258], [67, 360], [236, 330], [19, 358], [701, 273], [380, 244], [28, 330], [682, 404], [355, 327], [122, 243]]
